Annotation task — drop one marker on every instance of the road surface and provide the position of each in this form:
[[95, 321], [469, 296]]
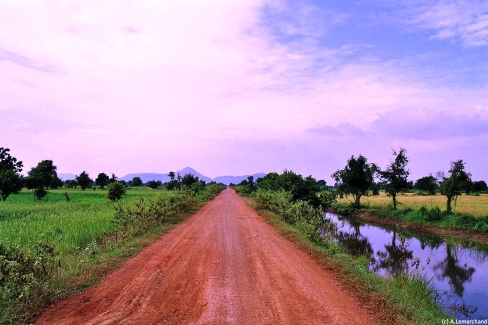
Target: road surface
[[224, 265]]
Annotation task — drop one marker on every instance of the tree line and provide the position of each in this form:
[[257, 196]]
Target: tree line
[[360, 178], [357, 179], [44, 177]]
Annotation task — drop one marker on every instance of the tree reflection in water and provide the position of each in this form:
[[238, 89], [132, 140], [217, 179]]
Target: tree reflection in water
[[394, 259], [392, 254], [354, 242], [457, 275]]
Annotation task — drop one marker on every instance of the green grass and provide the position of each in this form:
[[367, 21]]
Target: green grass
[[81, 233], [85, 218]]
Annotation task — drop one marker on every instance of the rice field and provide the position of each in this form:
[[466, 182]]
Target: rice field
[[469, 204], [82, 220]]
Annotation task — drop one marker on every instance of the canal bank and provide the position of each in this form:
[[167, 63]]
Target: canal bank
[[458, 270]]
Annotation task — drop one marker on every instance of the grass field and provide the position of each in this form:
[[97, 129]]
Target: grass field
[[466, 204], [84, 219], [52, 249]]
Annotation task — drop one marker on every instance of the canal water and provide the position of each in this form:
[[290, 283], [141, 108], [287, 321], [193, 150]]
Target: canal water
[[458, 271]]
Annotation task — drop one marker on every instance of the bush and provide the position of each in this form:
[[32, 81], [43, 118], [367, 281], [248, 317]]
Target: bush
[[167, 207], [210, 192], [302, 211], [327, 198], [115, 191], [432, 214], [24, 273], [275, 201]]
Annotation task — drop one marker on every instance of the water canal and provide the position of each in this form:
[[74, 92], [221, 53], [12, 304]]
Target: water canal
[[459, 271]]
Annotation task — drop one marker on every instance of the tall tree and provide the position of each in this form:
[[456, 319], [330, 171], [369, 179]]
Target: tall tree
[[395, 177], [84, 180], [172, 183], [41, 177], [452, 186], [10, 178], [356, 179], [102, 180]]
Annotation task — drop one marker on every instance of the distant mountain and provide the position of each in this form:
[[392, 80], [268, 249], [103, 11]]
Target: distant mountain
[[66, 176], [188, 170], [146, 177], [236, 179]]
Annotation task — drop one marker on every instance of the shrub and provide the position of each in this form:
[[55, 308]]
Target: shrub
[[167, 207], [275, 201], [24, 272], [115, 191], [434, 214]]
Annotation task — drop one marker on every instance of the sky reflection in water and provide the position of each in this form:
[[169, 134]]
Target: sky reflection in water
[[459, 273]]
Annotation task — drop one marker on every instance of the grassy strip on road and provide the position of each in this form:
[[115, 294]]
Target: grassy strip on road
[[403, 300]]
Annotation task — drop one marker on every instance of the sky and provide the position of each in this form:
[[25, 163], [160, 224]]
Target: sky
[[236, 87]]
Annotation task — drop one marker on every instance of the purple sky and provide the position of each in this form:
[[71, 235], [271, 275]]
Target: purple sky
[[239, 87]]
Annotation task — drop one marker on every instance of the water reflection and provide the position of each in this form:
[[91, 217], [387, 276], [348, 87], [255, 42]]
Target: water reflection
[[456, 274], [459, 274], [355, 243]]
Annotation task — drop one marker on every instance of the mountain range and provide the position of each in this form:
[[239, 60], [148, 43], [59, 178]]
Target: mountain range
[[146, 177]]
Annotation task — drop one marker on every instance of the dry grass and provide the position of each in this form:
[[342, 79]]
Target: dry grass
[[474, 205]]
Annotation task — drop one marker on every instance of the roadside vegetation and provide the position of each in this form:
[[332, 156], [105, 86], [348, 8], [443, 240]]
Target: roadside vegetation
[[53, 248], [404, 299]]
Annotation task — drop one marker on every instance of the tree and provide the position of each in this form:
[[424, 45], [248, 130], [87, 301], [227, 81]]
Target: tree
[[84, 180], [71, 183], [102, 180], [467, 186], [113, 179], [304, 189], [153, 184], [41, 177], [356, 179], [56, 182], [189, 179], [395, 177], [137, 181], [452, 186], [172, 183], [115, 191], [10, 178], [427, 183], [479, 186]]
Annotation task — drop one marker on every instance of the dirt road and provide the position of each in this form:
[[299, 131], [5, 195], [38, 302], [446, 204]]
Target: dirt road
[[224, 265]]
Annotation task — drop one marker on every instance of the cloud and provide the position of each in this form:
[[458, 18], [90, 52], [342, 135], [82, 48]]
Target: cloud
[[415, 124], [24, 61], [432, 124], [28, 123], [343, 129], [450, 19], [227, 85]]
